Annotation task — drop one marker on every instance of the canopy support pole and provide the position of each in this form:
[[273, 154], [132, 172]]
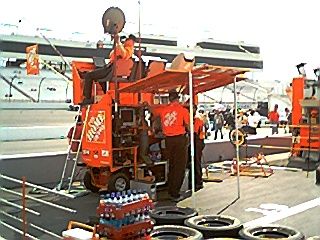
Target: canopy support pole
[[192, 138], [237, 132]]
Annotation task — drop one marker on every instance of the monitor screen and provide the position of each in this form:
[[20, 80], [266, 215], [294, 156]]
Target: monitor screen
[[127, 116]]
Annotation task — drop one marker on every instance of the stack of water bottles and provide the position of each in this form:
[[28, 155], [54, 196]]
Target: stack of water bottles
[[125, 215]]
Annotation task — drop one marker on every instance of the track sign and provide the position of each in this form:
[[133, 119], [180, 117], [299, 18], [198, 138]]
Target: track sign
[[32, 60]]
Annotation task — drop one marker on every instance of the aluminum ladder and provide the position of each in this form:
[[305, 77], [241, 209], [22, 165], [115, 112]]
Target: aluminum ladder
[[72, 157]]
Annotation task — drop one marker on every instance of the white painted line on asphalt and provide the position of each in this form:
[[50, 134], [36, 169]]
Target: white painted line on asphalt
[[271, 218], [28, 155]]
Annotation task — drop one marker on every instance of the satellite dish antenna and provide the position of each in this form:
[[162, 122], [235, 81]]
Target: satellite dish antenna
[[113, 20]]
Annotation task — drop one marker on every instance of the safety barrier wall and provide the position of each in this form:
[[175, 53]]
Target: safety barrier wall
[[33, 133], [20, 124], [24, 105]]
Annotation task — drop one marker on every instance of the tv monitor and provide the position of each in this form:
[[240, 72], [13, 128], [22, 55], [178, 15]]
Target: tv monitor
[[127, 115]]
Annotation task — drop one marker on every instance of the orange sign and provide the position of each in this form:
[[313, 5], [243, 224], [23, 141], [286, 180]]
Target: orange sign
[[32, 60]]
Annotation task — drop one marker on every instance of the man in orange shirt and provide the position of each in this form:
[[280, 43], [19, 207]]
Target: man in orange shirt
[[77, 135], [123, 51], [274, 119], [175, 121], [199, 136]]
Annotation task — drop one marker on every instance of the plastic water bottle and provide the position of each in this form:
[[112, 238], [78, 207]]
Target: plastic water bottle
[[130, 196], [136, 218], [139, 194], [112, 196], [146, 216], [136, 196], [124, 197]]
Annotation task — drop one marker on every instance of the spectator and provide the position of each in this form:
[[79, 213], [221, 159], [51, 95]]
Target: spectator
[[251, 126], [211, 120], [241, 119], [204, 118], [218, 124], [274, 119], [199, 136], [288, 117], [100, 44]]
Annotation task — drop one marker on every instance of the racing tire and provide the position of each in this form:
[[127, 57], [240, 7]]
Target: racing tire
[[318, 175], [87, 181], [174, 215], [118, 182], [242, 137], [222, 238], [270, 232], [175, 232], [215, 225]]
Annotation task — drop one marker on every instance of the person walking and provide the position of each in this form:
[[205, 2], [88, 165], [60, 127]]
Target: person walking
[[286, 123], [218, 124], [273, 117], [211, 120], [175, 120]]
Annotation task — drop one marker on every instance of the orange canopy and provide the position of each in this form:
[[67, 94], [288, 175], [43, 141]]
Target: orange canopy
[[205, 77]]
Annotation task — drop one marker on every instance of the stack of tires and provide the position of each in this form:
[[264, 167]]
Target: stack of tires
[[178, 223], [184, 223]]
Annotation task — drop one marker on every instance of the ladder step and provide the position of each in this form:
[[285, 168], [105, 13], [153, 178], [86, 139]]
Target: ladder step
[[76, 140]]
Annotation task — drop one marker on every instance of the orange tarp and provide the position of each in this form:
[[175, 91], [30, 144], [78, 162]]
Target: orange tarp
[[205, 78]]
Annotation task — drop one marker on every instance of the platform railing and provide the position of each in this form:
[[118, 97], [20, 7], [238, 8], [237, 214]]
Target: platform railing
[[25, 210]]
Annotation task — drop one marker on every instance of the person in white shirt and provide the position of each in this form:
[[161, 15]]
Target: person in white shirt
[[251, 124], [252, 119]]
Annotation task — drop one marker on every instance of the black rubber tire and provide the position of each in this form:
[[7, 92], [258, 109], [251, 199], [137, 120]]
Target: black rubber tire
[[318, 175], [243, 139], [118, 182], [173, 232], [88, 184], [215, 225], [222, 238], [270, 232], [167, 215]]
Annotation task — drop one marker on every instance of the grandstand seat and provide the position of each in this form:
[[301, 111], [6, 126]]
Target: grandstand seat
[[137, 73], [123, 70]]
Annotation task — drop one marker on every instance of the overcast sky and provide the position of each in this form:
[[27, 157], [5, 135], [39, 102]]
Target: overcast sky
[[286, 31]]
